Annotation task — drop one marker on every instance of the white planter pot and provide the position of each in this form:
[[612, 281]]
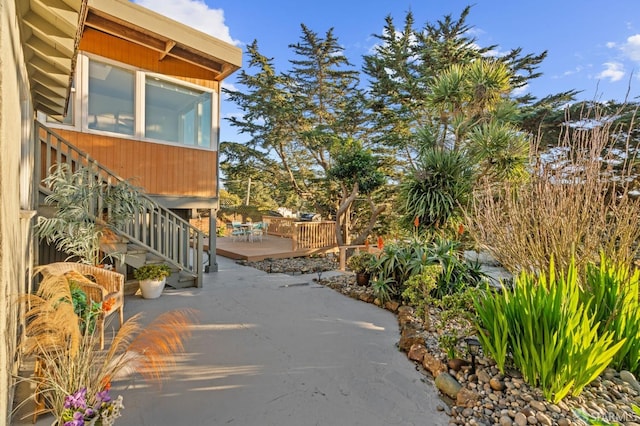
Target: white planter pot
[[152, 289]]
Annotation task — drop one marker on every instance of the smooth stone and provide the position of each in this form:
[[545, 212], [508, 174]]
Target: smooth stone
[[505, 421], [520, 419], [448, 385], [532, 420], [537, 405], [543, 419], [483, 376], [628, 377], [497, 385], [564, 422]]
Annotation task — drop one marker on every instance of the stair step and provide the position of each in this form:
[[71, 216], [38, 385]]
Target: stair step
[[131, 287]]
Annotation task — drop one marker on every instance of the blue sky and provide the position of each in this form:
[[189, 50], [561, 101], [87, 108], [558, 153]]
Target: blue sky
[[593, 46]]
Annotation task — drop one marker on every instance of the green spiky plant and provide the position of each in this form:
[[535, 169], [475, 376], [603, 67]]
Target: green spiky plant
[[544, 322]]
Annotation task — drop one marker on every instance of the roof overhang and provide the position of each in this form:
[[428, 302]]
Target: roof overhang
[[129, 21], [50, 32]]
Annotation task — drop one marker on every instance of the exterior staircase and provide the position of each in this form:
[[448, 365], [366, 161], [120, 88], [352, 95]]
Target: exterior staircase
[[154, 235]]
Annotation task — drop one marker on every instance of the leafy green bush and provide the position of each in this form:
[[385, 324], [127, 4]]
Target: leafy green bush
[[544, 322], [362, 262], [418, 289], [152, 272]]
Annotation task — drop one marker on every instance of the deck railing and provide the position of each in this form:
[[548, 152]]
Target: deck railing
[[314, 235], [304, 235], [155, 228], [279, 226]]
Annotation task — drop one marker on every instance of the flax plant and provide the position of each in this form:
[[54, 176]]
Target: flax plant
[[575, 202], [549, 331], [68, 358], [615, 290]]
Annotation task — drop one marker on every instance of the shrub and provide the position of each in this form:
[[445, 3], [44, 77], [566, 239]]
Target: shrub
[[544, 322], [520, 226], [398, 262], [418, 289], [152, 272], [361, 262]]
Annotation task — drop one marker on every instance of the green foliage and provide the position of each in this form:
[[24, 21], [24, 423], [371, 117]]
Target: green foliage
[[418, 288], [614, 291], [362, 262], [448, 343], [400, 261], [437, 190], [547, 328], [152, 272], [87, 312], [354, 165], [78, 223], [457, 272], [382, 289]]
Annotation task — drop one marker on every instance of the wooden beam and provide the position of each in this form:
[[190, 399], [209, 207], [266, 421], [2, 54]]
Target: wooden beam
[[110, 27], [41, 48], [58, 13], [169, 45], [50, 34], [46, 68]]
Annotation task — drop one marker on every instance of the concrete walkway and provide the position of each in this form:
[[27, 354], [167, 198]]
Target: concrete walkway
[[276, 350]]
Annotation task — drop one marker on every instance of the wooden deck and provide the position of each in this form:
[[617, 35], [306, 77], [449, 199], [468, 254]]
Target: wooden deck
[[271, 247]]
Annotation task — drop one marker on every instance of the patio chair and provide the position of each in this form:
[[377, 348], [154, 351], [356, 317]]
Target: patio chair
[[100, 285], [238, 231], [256, 231]]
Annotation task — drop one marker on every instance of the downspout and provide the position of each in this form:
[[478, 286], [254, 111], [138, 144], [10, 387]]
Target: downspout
[[213, 213]]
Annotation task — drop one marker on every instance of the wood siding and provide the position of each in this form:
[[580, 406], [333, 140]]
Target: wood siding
[[120, 50], [158, 169]]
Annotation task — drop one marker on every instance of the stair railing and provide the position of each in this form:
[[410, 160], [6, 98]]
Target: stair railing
[[155, 228]]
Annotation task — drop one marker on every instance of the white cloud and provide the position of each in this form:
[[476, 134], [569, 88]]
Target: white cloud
[[520, 90], [194, 13], [632, 48], [611, 44], [614, 71], [576, 70]]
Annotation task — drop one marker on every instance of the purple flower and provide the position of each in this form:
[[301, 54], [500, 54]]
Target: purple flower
[[76, 400], [78, 420], [89, 413], [103, 396]]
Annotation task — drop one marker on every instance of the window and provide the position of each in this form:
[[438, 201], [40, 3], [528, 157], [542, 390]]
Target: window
[[111, 99], [176, 113], [108, 96]]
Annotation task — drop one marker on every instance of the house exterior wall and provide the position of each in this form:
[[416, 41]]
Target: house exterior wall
[[15, 202], [160, 170], [185, 176]]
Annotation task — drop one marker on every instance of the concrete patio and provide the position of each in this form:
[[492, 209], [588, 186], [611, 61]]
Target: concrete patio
[[279, 350]]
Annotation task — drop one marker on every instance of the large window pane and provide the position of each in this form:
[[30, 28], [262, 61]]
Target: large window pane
[[175, 113], [111, 98]]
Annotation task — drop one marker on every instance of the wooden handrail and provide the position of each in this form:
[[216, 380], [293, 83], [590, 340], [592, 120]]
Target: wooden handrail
[[157, 229]]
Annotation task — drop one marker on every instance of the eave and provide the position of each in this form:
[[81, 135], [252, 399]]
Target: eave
[[50, 34], [128, 21]]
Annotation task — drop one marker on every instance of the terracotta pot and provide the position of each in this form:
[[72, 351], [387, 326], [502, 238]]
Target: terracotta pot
[[362, 278], [152, 289]]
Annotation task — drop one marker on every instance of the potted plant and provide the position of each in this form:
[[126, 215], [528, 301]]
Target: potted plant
[[362, 264], [152, 279]]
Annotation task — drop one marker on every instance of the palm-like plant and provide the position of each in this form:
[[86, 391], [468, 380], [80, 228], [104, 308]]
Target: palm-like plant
[[86, 207], [436, 191]]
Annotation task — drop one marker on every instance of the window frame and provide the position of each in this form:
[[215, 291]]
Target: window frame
[[79, 98]]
